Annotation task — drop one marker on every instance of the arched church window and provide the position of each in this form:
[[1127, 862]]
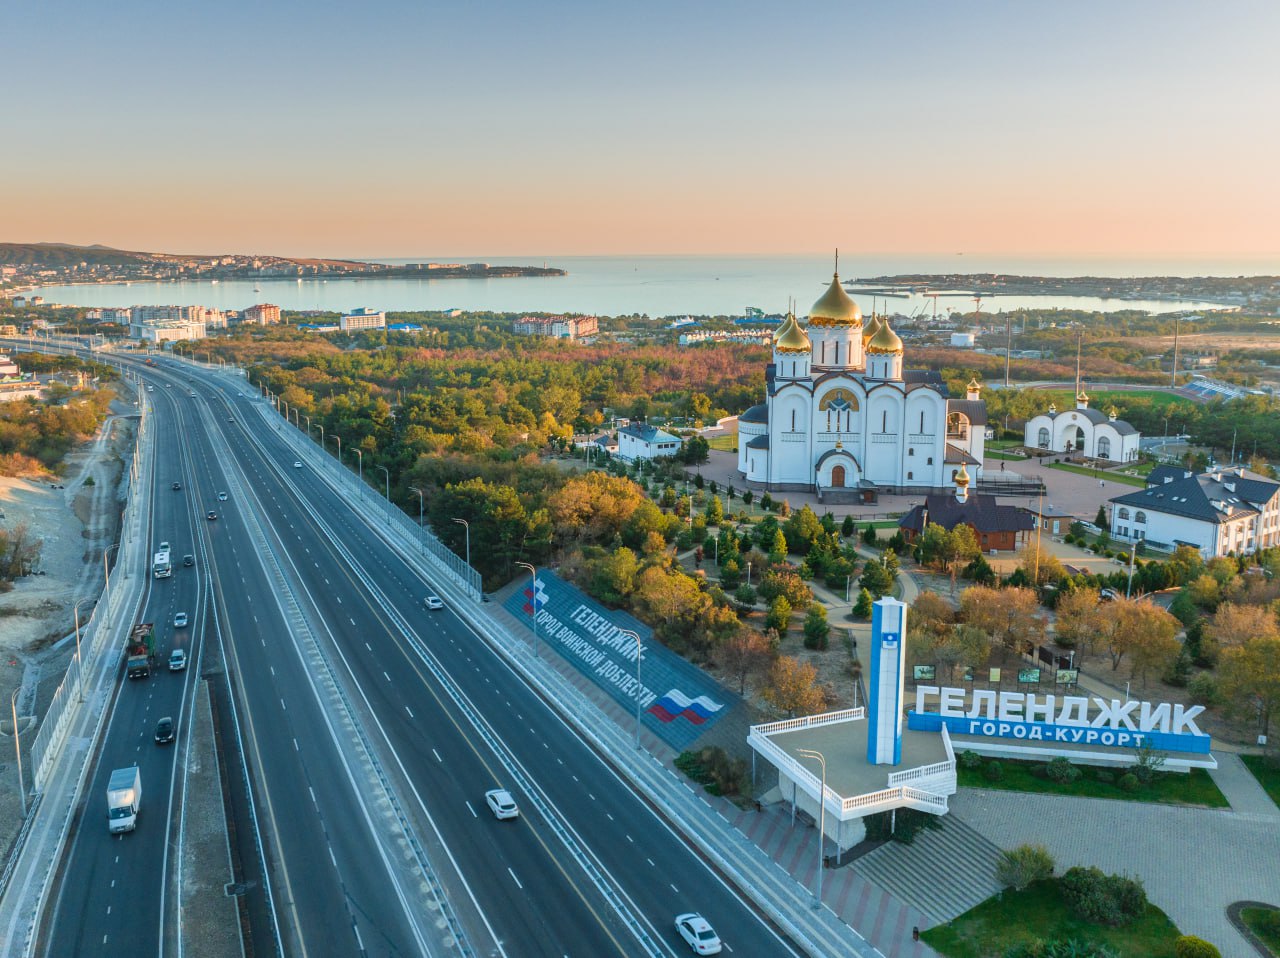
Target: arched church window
[[884, 421], [793, 420], [1140, 517], [1104, 447], [922, 421], [1042, 439]]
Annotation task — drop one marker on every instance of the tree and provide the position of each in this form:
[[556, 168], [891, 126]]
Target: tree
[[1017, 868], [593, 507], [848, 527], [1233, 624], [612, 578], [746, 497], [931, 616], [1078, 617], [714, 513], [1139, 629], [876, 579], [1184, 565], [816, 629], [793, 688], [1100, 520], [745, 596], [802, 530], [1040, 566], [778, 548], [1009, 616], [744, 654], [863, 607], [1249, 680], [779, 615], [696, 451], [1205, 592], [784, 582]]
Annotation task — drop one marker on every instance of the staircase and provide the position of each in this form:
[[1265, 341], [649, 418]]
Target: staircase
[[943, 873]]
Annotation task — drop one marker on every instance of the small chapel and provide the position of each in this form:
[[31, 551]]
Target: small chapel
[[842, 417], [1084, 431]]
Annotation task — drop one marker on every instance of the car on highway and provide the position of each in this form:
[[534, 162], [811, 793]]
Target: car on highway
[[164, 731], [433, 603], [180, 620], [230, 420], [222, 497], [177, 660], [501, 803], [164, 547], [211, 515], [698, 934], [297, 464], [188, 560], [177, 485]]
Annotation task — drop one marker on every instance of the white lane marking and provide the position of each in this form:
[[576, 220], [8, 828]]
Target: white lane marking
[[409, 710], [359, 940], [273, 670], [631, 840], [470, 809], [313, 795], [295, 746], [385, 676], [353, 622], [339, 598], [368, 646], [650, 861], [515, 879], [282, 705], [674, 888], [332, 858]]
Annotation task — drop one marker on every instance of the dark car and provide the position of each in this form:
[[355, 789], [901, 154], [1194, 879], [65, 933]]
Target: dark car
[[164, 731], [188, 560], [177, 485], [211, 516]]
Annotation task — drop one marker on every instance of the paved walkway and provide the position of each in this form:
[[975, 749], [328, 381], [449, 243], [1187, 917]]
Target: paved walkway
[[1194, 862]]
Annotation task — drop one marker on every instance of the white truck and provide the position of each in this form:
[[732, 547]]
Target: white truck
[[161, 566], [124, 795]]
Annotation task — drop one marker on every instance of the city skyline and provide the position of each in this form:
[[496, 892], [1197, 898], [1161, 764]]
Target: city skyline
[[1143, 131]]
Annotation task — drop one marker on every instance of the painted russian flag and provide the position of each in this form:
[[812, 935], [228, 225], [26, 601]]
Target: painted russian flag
[[675, 704], [535, 598]]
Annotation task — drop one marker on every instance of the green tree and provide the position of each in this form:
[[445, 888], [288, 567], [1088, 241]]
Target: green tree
[[816, 629], [1249, 680], [876, 579], [779, 615], [862, 608], [1017, 868], [715, 511], [848, 527], [1100, 520]]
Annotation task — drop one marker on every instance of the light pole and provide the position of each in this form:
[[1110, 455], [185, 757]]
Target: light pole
[[533, 585], [79, 660], [822, 815], [17, 750], [420, 505], [319, 426], [338, 439], [639, 687], [387, 473], [360, 453], [748, 573], [467, 526], [106, 572]]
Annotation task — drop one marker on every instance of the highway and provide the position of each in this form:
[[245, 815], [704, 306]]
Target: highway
[[371, 730]]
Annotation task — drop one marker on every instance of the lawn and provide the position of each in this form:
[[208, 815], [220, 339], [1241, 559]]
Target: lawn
[[727, 443], [1267, 771], [1256, 919], [1038, 912], [1167, 788], [1099, 474], [1105, 398], [1005, 456]]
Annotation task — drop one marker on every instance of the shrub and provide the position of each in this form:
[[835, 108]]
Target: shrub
[[1101, 898], [1203, 689], [1189, 946], [1061, 770], [1105, 776], [1128, 782], [993, 771], [1019, 867], [970, 759]]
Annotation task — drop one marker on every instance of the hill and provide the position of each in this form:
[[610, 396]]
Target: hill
[[55, 255]]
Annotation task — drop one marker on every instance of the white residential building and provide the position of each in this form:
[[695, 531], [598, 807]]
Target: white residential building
[[362, 318], [1218, 513], [642, 441]]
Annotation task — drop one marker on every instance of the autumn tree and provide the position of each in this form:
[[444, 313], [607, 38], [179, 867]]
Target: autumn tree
[[779, 615], [744, 654], [793, 688], [1141, 630], [1039, 565], [931, 615], [1078, 617], [1233, 624], [1010, 617], [593, 507], [1249, 680]]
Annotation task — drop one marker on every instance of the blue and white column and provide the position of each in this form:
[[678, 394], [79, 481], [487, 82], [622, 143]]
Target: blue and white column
[[888, 677]]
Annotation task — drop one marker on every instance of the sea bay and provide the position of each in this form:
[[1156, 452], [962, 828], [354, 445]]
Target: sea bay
[[651, 285]]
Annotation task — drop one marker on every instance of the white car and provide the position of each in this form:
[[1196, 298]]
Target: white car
[[698, 934], [501, 803], [222, 497], [164, 547], [180, 620], [433, 603], [297, 464], [177, 660]]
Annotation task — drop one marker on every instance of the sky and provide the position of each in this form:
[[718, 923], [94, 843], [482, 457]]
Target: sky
[[399, 128]]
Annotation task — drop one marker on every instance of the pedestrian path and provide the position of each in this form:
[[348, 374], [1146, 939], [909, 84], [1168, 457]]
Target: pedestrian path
[[1246, 796], [943, 873]]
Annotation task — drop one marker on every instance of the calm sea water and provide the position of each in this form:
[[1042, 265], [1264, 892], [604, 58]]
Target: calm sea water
[[653, 285]]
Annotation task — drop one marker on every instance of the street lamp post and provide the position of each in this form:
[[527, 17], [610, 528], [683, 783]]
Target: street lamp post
[[17, 750], [822, 815], [360, 454], [319, 426], [639, 687], [467, 526], [533, 585], [338, 440], [387, 474], [79, 660], [420, 505]]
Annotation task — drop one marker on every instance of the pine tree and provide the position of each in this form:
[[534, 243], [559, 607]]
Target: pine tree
[[862, 608]]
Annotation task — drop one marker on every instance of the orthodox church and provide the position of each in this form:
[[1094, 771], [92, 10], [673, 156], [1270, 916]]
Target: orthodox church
[[1084, 430], [842, 418]]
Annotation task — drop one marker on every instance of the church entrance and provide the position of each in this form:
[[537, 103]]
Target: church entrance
[[1077, 442], [837, 477]]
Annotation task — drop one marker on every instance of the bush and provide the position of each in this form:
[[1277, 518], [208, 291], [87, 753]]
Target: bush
[[1128, 782], [1101, 898], [1189, 946], [1061, 770], [970, 759], [1104, 775], [716, 771], [1019, 867], [1203, 689], [993, 771]]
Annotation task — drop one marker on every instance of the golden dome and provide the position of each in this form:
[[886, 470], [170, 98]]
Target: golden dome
[[835, 307], [962, 477], [884, 341], [974, 384], [792, 338], [1082, 396], [871, 328]]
